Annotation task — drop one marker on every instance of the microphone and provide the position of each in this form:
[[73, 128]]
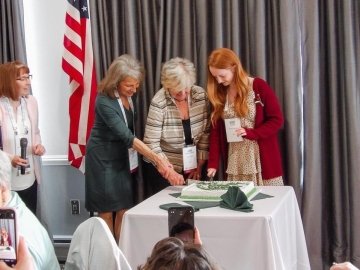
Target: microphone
[[23, 145]]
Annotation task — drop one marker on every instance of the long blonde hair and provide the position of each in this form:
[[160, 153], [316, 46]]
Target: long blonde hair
[[224, 58]]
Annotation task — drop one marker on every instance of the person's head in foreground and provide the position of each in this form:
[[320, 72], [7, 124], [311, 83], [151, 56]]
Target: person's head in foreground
[[172, 253], [36, 237]]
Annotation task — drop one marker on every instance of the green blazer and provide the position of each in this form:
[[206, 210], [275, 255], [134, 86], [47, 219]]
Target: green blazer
[[107, 172]]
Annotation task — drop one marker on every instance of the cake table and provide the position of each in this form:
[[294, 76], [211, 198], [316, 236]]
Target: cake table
[[270, 238]]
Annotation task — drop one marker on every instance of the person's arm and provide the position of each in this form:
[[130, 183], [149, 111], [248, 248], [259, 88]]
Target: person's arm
[[18, 161], [214, 149], [161, 163], [154, 125], [196, 173], [39, 150], [201, 112], [273, 118], [109, 112], [15, 160], [197, 238], [203, 143], [33, 110]]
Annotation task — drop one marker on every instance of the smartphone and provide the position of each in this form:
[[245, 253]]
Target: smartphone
[[181, 223], [8, 236]]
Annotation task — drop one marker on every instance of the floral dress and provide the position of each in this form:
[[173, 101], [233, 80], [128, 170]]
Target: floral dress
[[244, 157]]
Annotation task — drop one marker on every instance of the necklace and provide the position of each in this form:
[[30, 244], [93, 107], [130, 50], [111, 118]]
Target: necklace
[[12, 115], [178, 100]]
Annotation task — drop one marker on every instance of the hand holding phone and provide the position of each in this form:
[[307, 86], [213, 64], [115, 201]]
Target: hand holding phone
[[181, 223], [24, 259], [8, 236]]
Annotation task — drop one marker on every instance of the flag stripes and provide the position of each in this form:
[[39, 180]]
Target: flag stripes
[[78, 63]]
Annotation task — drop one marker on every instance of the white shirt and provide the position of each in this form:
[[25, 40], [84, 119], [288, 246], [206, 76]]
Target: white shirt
[[21, 123], [93, 247]]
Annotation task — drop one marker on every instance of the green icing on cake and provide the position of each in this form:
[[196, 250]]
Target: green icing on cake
[[216, 187], [219, 185]]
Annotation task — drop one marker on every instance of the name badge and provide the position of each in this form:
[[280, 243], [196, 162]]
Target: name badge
[[189, 157], [231, 125], [133, 159]]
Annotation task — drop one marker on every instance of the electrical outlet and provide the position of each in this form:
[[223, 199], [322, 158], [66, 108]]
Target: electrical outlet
[[75, 207]]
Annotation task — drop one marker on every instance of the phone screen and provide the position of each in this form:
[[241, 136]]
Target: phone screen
[[181, 223], [8, 236]]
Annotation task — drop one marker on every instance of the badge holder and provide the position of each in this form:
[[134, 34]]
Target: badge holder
[[189, 158]]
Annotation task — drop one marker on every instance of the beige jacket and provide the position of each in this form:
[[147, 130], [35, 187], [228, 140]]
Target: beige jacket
[[32, 109]]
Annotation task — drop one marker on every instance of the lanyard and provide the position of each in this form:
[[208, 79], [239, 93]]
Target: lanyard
[[133, 156], [123, 109], [11, 115]]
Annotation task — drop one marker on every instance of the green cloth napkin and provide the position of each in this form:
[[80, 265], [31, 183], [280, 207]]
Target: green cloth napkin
[[202, 205], [235, 199], [261, 196], [176, 194]]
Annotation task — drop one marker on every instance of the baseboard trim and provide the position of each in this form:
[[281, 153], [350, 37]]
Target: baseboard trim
[[55, 160]]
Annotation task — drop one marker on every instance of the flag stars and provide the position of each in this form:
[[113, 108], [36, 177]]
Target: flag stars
[[84, 8]]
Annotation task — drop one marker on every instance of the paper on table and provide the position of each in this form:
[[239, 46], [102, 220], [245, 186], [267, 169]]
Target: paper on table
[[231, 125]]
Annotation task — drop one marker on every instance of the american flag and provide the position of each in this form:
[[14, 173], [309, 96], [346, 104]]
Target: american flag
[[78, 63]]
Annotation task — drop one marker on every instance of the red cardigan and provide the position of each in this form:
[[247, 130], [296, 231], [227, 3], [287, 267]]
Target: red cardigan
[[268, 121]]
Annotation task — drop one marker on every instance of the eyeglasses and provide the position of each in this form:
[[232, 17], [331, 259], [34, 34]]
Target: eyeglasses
[[24, 78]]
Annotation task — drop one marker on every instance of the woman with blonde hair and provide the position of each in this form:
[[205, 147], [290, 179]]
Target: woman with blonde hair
[[246, 110]]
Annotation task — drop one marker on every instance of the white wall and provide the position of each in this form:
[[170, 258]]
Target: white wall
[[44, 26]]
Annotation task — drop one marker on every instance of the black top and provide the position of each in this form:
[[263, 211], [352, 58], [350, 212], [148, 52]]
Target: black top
[[187, 131], [129, 119]]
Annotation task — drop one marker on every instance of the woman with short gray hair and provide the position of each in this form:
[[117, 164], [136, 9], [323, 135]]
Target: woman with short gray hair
[[177, 124]]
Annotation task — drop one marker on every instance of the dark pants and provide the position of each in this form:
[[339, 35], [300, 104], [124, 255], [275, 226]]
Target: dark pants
[[154, 182], [29, 197]]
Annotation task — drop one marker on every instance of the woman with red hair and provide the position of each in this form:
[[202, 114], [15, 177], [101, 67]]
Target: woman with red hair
[[254, 154]]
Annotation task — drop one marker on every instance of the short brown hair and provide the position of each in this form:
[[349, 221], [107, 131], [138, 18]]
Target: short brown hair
[[9, 72]]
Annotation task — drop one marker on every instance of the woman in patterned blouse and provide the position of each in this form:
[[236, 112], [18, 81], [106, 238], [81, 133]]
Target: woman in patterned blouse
[[178, 124]]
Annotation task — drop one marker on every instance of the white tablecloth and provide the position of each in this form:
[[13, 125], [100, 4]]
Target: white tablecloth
[[270, 238]]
